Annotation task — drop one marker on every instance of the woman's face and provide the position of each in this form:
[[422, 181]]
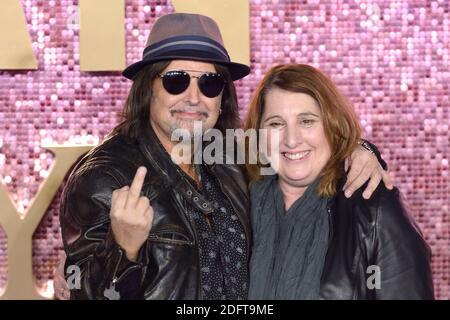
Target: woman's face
[[303, 147]]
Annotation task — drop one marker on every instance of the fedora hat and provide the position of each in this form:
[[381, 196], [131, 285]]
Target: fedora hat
[[186, 36]]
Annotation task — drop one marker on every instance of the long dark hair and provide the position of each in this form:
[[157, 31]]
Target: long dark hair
[[135, 114]]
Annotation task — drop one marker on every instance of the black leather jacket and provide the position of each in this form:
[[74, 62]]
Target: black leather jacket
[[168, 263], [375, 232]]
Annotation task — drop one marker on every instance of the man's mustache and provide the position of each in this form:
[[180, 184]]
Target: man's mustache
[[202, 112]]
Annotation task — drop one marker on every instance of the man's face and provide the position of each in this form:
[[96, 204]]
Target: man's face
[[169, 112]]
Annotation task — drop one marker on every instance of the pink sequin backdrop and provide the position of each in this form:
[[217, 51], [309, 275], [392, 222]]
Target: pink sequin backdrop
[[391, 58]]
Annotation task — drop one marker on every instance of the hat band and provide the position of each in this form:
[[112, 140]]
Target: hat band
[[197, 43]]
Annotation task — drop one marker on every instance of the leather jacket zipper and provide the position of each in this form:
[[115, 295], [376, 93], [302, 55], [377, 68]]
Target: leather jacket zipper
[[330, 223], [126, 272], [157, 237], [199, 290]]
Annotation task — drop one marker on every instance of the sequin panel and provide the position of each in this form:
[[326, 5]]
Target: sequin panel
[[391, 58]]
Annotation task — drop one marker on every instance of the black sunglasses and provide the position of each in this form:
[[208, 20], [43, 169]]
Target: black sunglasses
[[210, 84]]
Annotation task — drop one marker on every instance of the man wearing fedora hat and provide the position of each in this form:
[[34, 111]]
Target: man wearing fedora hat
[[135, 224]]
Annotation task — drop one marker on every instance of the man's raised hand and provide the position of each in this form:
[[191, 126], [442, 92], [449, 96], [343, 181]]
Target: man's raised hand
[[131, 216]]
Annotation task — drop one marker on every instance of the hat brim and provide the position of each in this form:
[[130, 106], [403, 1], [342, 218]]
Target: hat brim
[[237, 70]]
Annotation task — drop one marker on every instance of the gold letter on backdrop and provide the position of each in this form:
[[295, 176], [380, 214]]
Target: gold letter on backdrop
[[233, 19], [102, 32], [102, 48], [15, 45], [102, 35], [20, 230]]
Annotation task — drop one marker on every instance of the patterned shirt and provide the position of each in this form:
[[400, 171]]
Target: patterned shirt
[[222, 244]]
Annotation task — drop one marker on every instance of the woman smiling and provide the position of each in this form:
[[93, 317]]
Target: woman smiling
[[310, 241]]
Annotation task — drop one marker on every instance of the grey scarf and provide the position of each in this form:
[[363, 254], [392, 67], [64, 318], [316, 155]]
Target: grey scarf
[[289, 248]]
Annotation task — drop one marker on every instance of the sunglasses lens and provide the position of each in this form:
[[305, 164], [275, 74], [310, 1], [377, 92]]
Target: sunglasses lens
[[175, 82], [211, 84]]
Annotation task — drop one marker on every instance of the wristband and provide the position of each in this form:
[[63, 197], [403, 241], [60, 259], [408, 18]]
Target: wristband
[[365, 145]]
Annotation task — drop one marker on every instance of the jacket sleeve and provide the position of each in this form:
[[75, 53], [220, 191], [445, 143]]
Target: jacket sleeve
[[104, 271], [401, 254]]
